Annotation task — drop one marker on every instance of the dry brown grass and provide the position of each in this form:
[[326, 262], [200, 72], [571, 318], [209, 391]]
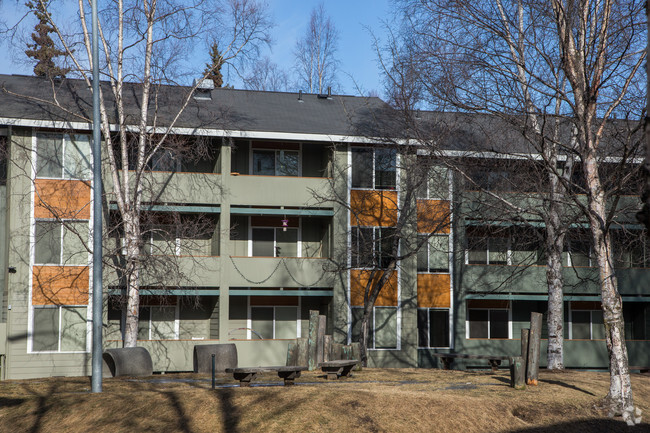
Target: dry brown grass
[[374, 400]]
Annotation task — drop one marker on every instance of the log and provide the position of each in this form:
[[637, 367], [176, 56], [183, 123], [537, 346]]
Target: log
[[312, 342], [303, 355], [534, 342], [517, 373], [327, 348], [356, 354], [337, 350], [346, 352], [292, 354], [320, 339], [525, 336]]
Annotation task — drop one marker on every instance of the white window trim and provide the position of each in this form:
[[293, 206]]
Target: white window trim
[[176, 320], [591, 323], [374, 171], [30, 348], [509, 309], [62, 223], [64, 144], [275, 240], [249, 319], [276, 150], [450, 333], [427, 245]]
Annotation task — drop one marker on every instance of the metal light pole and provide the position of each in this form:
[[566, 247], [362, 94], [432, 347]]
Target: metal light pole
[[97, 216]]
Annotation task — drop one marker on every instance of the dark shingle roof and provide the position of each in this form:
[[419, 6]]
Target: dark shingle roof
[[24, 97]]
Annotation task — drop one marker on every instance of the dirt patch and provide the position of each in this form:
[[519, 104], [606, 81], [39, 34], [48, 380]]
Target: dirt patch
[[375, 400]]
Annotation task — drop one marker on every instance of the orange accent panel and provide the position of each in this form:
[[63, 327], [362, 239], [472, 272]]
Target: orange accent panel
[[62, 199], [60, 285], [433, 216], [433, 290], [376, 208], [358, 281]]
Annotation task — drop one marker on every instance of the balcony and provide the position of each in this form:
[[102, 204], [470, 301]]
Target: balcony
[[276, 190], [287, 272]]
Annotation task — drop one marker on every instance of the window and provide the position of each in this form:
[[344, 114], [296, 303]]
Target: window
[[63, 156], [579, 253], [518, 246], [487, 251], [374, 168], [276, 162], [158, 323], [372, 246], [275, 242], [630, 249], [637, 320], [433, 327], [60, 243], [433, 255], [586, 321], [274, 322], [383, 327], [59, 329], [434, 184], [488, 319]]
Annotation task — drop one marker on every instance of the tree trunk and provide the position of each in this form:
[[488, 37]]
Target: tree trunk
[[363, 337], [555, 283], [132, 240], [619, 398]]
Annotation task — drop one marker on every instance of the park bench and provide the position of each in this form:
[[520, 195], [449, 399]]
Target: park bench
[[245, 375], [341, 367], [448, 358]]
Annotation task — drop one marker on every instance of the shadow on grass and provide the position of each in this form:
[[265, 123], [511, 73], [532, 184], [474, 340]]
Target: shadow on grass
[[10, 402], [566, 385], [587, 426], [42, 405], [183, 423], [230, 412]]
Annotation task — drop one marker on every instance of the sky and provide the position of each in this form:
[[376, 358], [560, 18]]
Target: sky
[[358, 70]]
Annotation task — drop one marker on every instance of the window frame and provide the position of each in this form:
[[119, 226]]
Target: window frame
[[59, 308], [62, 226], [449, 337], [377, 255], [426, 246], [592, 323], [149, 321], [275, 240], [249, 321], [278, 152], [374, 180], [65, 143], [372, 337], [489, 321]]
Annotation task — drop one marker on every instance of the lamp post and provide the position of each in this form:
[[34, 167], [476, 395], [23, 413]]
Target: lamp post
[[97, 301]]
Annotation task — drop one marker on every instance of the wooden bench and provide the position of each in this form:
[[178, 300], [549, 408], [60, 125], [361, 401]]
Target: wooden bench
[[341, 367], [448, 358], [245, 375], [642, 370]]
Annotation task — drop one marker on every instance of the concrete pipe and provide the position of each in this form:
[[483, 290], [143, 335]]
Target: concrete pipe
[[128, 361], [225, 357]]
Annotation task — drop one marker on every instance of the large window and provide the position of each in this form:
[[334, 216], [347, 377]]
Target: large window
[[383, 327], [276, 162], [374, 168], [433, 255], [158, 322], [275, 242], [434, 181], [60, 243], [579, 252], [59, 329], [586, 321], [274, 322], [433, 327], [518, 246], [631, 249], [489, 319], [63, 156], [372, 246]]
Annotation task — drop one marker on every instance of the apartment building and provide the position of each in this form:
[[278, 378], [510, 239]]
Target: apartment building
[[286, 209]]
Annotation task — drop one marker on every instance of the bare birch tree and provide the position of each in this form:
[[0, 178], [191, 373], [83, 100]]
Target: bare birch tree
[[315, 53], [548, 66], [143, 47]]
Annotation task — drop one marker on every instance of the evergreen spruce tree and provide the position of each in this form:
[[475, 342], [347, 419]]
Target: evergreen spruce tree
[[43, 49], [213, 69]]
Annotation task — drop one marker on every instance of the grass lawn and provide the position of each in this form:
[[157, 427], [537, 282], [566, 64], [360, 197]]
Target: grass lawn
[[374, 400]]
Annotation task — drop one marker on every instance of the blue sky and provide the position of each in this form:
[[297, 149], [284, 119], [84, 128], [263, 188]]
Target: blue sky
[[358, 69]]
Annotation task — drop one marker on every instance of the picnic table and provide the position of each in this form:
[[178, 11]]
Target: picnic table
[[338, 368], [448, 358], [245, 375]]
